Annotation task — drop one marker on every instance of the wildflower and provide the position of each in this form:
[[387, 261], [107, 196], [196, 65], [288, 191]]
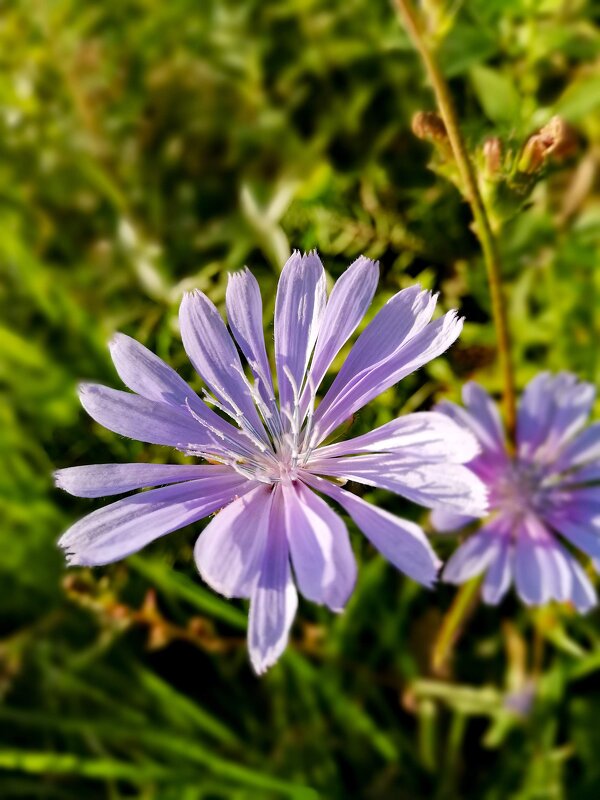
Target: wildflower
[[541, 497], [267, 460]]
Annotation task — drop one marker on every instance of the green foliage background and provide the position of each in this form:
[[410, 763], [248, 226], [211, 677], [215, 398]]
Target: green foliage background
[[149, 147]]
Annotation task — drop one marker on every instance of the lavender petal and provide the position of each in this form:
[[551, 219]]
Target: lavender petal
[[274, 598], [299, 308], [403, 543], [213, 353], [139, 418], [245, 316], [124, 527], [149, 376], [485, 413], [583, 594], [444, 521], [552, 410], [454, 487], [499, 574], [425, 436], [322, 557], [584, 535], [473, 557], [582, 450], [342, 401], [101, 480], [492, 460], [537, 566], [401, 318], [347, 304], [230, 550]]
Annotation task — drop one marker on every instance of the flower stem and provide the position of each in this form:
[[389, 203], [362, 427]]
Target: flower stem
[[483, 230], [453, 623]]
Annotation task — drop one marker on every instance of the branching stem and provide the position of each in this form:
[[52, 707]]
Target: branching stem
[[483, 230]]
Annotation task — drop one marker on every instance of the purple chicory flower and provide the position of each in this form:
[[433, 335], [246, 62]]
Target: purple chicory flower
[[544, 495], [270, 463]]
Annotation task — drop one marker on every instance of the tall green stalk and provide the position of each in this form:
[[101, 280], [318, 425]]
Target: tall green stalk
[[483, 229]]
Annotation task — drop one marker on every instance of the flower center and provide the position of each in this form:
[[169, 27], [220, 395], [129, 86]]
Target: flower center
[[517, 492]]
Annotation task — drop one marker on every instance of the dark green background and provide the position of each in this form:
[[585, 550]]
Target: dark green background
[[150, 147]]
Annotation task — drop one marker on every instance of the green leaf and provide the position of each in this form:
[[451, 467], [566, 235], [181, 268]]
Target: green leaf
[[497, 94], [580, 99]]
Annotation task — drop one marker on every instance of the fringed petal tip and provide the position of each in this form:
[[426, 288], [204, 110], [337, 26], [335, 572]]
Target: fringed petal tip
[[57, 477], [261, 664], [189, 296], [85, 388], [431, 583], [73, 559], [268, 638], [437, 566], [262, 660], [117, 340]]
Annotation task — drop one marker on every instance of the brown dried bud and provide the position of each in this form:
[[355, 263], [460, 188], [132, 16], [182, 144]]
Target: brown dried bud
[[159, 636], [492, 154], [556, 139], [119, 611], [430, 126], [76, 584]]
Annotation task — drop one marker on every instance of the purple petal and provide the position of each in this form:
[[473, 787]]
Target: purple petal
[[485, 413], [444, 521], [146, 374], [573, 401], [584, 535], [540, 573], [453, 487], [348, 303], [403, 543], [587, 474], [492, 460], [230, 550], [584, 449], [342, 401], [578, 503], [472, 557], [124, 527], [299, 307], [141, 419], [552, 409], [565, 579], [401, 318], [426, 436], [213, 353], [498, 576], [561, 576], [535, 410], [149, 376], [322, 558], [274, 598], [583, 594], [245, 315], [100, 480]]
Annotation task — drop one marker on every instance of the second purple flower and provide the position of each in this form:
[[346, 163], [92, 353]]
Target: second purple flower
[[544, 496]]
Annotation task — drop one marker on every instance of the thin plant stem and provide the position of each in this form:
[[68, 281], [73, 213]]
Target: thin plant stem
[[483, 230], [463, 604]]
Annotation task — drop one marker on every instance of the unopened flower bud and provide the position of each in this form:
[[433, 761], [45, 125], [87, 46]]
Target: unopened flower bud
[[556, 139], [430, 126], [492, 154]]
